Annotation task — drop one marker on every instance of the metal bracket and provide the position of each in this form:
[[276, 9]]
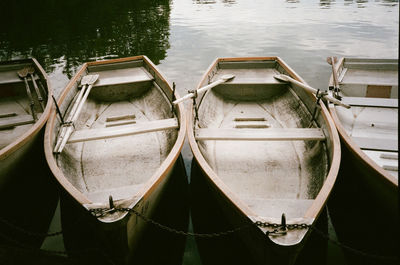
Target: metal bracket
[[173, 98], [58, 110], [320, 94], [194, 103]]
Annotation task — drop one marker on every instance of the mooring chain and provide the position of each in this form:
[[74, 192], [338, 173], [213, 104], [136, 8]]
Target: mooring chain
[[287, 226], [278, 229], [99, 212]]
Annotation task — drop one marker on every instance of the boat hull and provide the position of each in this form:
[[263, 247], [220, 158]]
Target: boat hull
[[26, 188], [119, 232], [15, 149], [264, 248], [366, 193], [88, 239]]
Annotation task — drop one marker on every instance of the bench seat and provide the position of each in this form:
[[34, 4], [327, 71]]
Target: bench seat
[[268, 134]]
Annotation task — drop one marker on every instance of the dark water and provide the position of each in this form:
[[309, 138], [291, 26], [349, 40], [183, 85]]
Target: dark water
[[183, 37]]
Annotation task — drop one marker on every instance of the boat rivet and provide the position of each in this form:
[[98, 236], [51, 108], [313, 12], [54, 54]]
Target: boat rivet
[[372, 125]]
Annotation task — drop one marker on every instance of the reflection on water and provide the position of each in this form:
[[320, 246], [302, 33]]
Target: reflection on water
[[302, 32], [80, 31], [184, 36]]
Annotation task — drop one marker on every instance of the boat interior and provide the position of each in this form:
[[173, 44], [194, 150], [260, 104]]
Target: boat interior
[[371, 88], [258, 136], [125, 131], [17, 112]]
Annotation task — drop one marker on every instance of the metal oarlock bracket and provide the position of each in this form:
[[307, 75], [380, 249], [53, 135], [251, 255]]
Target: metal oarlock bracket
[[319, 95], [58, 110], [173, 98], [194, 103]]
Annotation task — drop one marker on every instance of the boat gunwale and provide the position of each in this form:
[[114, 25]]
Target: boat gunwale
[[321, 199], [161, 172], [38, 125], [349, 142]]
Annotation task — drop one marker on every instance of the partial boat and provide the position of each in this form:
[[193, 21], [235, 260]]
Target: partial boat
[[25, 104], [370, 128], [113, 144], [269, 151], [367, 187]]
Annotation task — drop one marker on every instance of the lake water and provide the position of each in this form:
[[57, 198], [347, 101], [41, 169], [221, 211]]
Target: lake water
[[183, 37]]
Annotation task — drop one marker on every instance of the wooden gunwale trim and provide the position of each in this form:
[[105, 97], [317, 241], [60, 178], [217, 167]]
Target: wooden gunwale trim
[[321, 199], [165, 167], [351, 145], [32, 131], [48, 148], [118, 60], [323, 195]]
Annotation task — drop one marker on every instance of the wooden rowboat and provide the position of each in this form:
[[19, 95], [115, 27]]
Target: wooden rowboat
[[367, 188], [25, 105], [122, 148], [263, 153], [369, 128]]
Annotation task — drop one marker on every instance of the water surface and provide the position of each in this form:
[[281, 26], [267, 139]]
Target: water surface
[[184, 36]]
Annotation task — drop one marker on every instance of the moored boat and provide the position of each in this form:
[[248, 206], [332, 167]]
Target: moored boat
[[116, 145], [369, 128], [367, 186], [25, 103], [269, 152]]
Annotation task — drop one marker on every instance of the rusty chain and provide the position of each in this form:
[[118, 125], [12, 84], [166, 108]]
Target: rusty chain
[[99, 212], [277, 228]]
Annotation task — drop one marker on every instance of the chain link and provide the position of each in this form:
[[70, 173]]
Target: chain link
[[99, 212], [277, 229]]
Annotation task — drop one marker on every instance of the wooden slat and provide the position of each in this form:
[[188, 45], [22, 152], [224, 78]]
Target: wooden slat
[[389, 156], [371, 102], [247, 64], [122, 76], [12, 121], [270, 134], [124, 130], [381, 144], [119, 123], [250, 119], [372, 65], [121, 117], [7, 115], [390, 168]]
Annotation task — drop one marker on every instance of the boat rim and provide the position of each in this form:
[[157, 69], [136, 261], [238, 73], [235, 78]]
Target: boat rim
[[348, 141], [38, 125], [157, 176], [317, 206]]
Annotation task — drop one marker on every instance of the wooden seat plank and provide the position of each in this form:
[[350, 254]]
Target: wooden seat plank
[[382, 144], [371, 102], [12, 121], [269, 134], [123, 130], [122, 76]]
